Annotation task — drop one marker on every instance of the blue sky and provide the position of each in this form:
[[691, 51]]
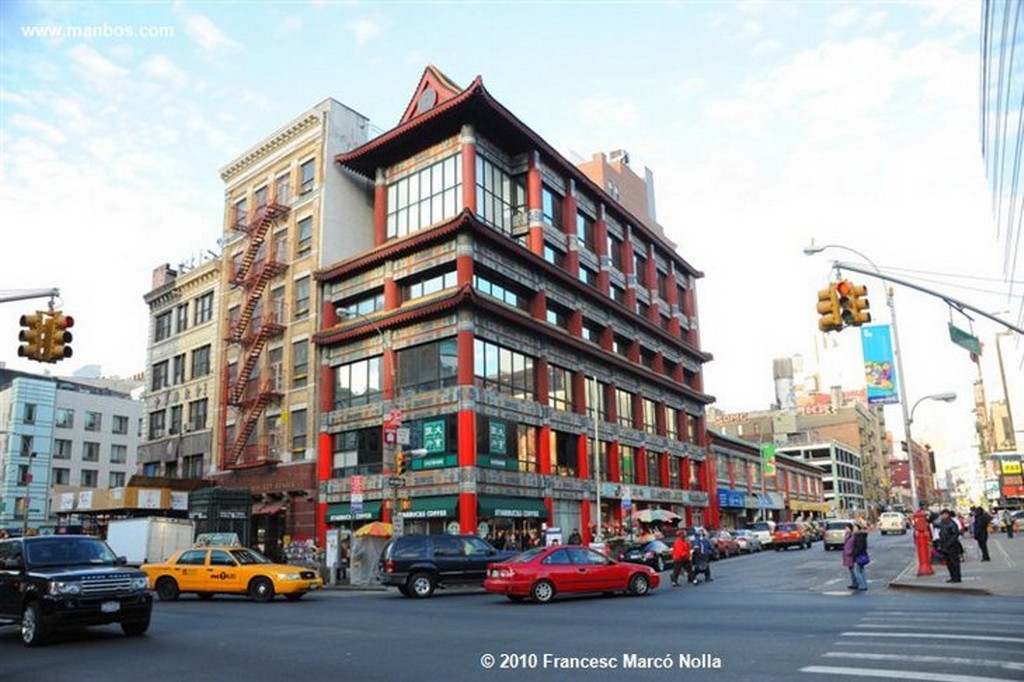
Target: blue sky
[[765, 124]]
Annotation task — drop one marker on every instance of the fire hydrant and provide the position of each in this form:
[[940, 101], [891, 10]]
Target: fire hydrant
[[923, 540]]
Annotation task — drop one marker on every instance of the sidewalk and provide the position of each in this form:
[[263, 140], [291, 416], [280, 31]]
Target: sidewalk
[[1003, 576]]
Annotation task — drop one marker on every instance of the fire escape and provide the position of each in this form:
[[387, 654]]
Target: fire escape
[[248, 390]]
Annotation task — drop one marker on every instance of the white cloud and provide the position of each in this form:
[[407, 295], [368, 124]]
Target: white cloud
[[92, 65], [162, 69], [39, 129], [608, 112], [364, 30], [207, 34]]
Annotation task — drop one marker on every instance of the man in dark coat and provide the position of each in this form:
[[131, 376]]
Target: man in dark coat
[[980, 531], [949, 543]]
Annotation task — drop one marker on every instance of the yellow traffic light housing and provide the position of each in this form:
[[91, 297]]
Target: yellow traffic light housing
[[33, 336], [400, 464], [58, 336], [828, 307], [853, 302]]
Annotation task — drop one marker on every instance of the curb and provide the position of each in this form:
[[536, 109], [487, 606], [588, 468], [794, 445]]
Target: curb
[[902, 582]]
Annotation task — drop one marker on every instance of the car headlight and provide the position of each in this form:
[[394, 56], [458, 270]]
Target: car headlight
[[65, 587], [140, 583], [289, 576]]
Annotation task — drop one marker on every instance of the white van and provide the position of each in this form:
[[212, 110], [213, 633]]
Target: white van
[[892, 522]]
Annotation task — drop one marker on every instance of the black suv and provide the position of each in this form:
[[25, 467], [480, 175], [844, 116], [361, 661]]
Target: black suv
[[416, 564], [65, 581]]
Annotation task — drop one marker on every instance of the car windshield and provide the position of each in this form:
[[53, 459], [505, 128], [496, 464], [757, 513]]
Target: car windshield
[[837, 525], [65, 551], [249, 556], [761, 526], [788, 527], [527, 556]]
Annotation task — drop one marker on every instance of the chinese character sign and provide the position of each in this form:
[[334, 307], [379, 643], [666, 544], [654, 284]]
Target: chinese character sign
[[433, 436], [879, 370]]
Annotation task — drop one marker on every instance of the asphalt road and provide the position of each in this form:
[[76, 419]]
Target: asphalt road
[[774, 616]]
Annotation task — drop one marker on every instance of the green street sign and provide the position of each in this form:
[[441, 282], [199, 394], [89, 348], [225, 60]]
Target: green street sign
[[768, 458], [433, 436], [497, 438], [964, 340]]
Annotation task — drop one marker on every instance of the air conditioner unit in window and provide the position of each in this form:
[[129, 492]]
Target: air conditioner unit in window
[[520, 224]]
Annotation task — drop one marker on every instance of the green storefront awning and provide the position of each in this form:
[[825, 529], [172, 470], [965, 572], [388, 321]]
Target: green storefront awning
[[512, 508], [444, 507], [341, 513]]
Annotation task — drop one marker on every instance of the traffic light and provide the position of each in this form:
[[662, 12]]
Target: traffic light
[[828, 307], [58, 336], [33, 336], [853, 301], [400, 464]]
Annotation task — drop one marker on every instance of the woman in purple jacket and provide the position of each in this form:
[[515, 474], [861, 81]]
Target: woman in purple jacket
[[854, 545]]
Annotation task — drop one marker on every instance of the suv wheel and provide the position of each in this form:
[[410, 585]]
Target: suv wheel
[[404, 591], [421, 585], [33, 632], [167, 589], [542, 591], [134, 628]]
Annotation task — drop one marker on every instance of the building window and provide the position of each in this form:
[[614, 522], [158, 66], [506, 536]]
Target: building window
[[554, 256], [620, 344], [120, 426], [426, 197], [116, 479], [503, 370], [642, 309], [118, 454], [361, 306], [428, 367], [304, 243], [499, 197], [653, 470], [591, 331], [640, 267], [502, 293], [192, 466], [159, 375], [560, 395], [618, 294], [181, 313], [599, 393], [673, 473], [30, 413], [650, 416], [197, 410], [300, 363], [283, 188], [61, 476], [557, 315], [26, 446], [563, 453], [671, 423], [301, 297], [358, 383], [93, 421], [90, 452], [175, 425], [201, 361], [162, 326], [627, 464], [261, 199], [65, 418], [647, 357], [298, 420], [691, 429], [585, 231], [429, 284], [241, 209], [615, 251], [662, 285], [588, 276], [526, 440], [306, 173], [204, 308], [88, 478], [551, 203], [357, 452], [178, 370], [156, 424], [61, 449], [624, 405]]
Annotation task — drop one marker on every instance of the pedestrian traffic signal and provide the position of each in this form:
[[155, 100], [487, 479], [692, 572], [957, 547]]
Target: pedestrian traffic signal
[[400, 464], [853, 302], [58, 336], [828, 307], [33, 336]]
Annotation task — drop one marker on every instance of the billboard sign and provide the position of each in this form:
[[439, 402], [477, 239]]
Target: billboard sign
[[879, 368]]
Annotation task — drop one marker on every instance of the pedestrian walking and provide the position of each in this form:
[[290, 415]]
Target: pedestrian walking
[[949, 544], [702, 557], [681, 559], [980, 531], [574, 537], [1008, 520], [860, 556]]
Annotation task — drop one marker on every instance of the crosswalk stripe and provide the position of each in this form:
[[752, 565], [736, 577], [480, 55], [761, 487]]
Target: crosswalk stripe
[[976, 647], [934, 635], [943, 617], [900, 674], [954, 660], [955, 627]]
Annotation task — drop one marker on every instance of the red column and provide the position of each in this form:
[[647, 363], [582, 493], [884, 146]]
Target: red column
[[544, 450], [534, 207], [579, 394], [542, 380], [572, 256], [392, 296], [601, 244], [467, 458], [709, 485], [324, 466], [673, 301], [583, 473], [464, 266], [641, 466], [539, 306], [468, 140], [666, 481], [692, 336], [464, 348], [380, 209]]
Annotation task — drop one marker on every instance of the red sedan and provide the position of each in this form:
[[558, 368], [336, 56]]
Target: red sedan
[[725, 543], [543, 572]]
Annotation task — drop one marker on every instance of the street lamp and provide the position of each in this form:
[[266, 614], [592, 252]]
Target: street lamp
[[947, 397], [901, 377]]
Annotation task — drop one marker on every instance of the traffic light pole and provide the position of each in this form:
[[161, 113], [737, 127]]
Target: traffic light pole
[[28, 294]]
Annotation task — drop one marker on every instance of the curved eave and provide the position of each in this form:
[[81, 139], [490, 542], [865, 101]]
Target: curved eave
[[443, 302]]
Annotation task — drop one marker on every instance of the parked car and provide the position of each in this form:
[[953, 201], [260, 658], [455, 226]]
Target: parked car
[[725, 543], [788, 535], [54, 582], [419, 564], [747, 540], [763, 530], [835, 533], [655, 554], [544, 572], [892, 522], [207, 571]]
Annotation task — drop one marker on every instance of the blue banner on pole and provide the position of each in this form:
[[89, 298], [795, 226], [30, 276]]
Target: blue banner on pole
[[879, 369]]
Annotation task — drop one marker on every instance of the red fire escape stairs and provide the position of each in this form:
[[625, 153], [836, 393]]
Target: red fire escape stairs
[[253, 273]]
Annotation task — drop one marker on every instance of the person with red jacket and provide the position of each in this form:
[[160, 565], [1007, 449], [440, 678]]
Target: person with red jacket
[[681, 559]]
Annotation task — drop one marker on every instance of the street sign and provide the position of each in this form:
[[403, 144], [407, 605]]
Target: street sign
[[390, 437], [964, 340], [398, 525], [396, 481], [393, 420], [404, 436]]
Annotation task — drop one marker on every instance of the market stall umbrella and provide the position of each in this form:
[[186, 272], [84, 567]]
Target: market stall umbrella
[[649, 515], [377, 529]]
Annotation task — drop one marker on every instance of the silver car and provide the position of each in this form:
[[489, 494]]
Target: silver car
[[747, 540], [835, 533]]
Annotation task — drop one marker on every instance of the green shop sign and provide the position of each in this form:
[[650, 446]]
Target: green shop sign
[[498, 442], [433, 436], [437, 462]]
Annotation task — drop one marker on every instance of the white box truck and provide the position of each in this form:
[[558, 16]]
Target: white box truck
[[149, 540]]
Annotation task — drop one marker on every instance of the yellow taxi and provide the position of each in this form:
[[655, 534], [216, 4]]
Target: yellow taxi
[[207, 571]]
